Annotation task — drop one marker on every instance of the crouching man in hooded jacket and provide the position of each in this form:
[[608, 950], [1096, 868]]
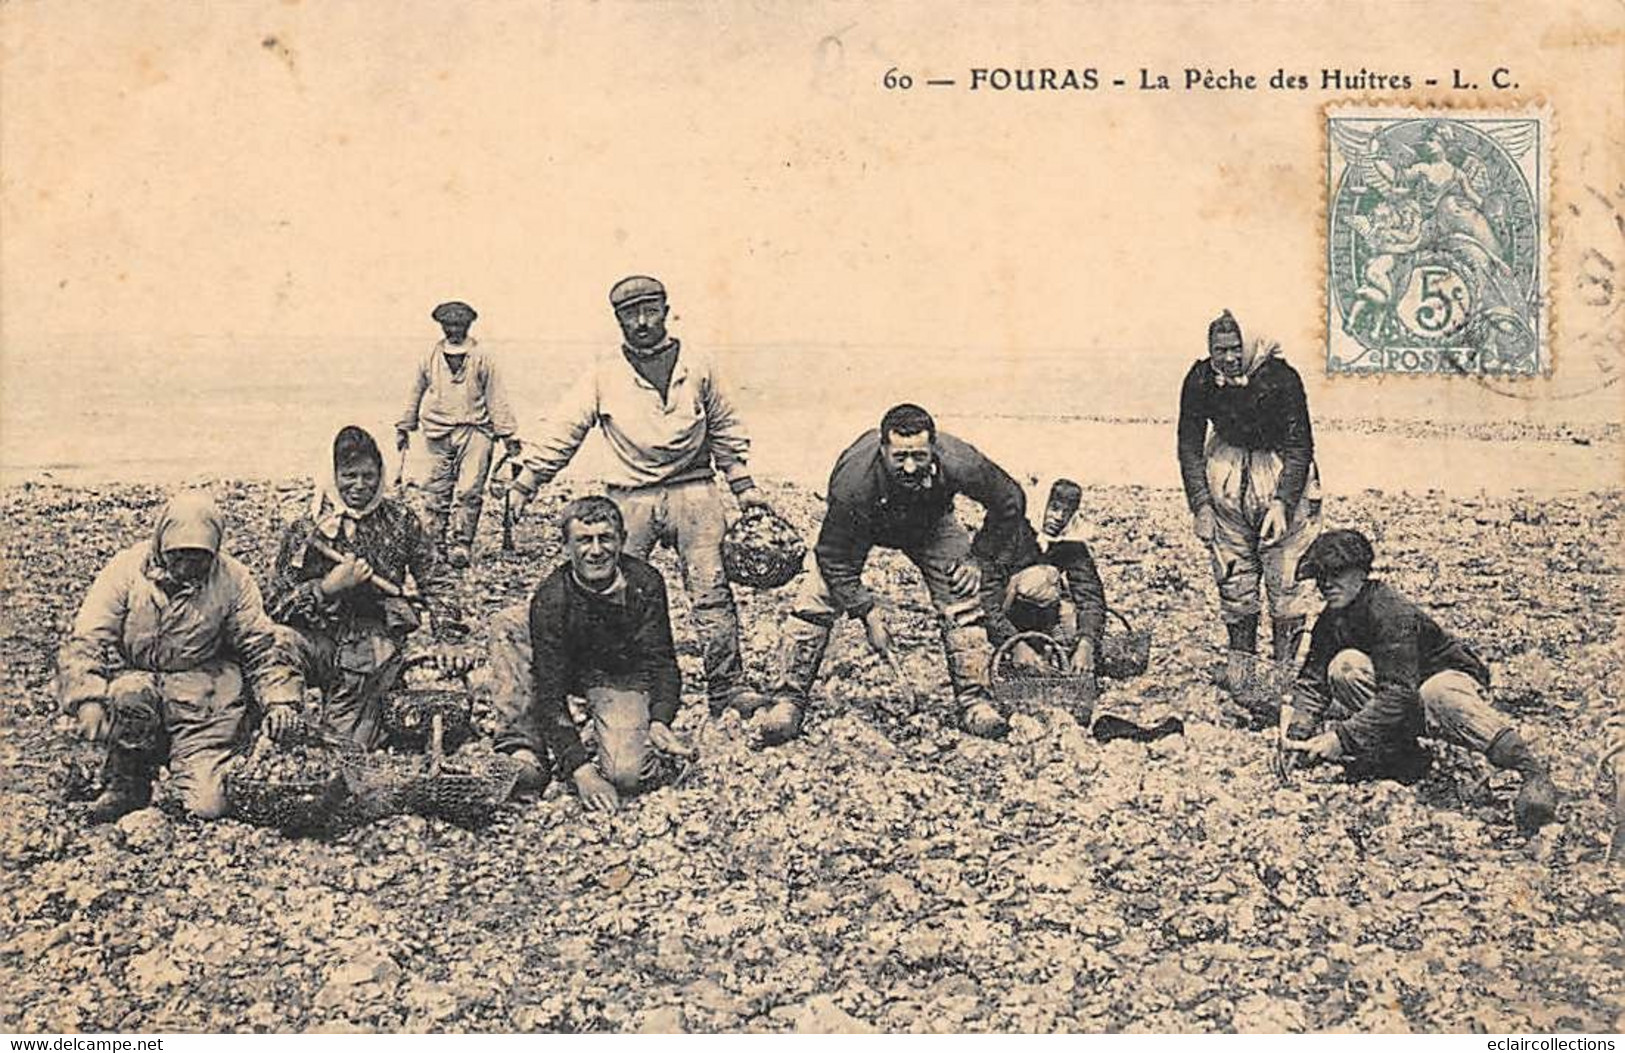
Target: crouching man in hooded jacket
[[156, 661], [1381, 673]]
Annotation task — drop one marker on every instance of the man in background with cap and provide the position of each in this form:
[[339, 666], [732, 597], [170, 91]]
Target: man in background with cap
[[670, 426], [1252, 486], [458, 398], [1381, 672]]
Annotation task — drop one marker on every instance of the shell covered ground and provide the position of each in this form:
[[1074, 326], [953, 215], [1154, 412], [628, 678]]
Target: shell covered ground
[[884, 872]]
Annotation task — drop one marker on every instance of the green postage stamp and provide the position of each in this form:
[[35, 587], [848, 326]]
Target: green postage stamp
[[1436, 241]]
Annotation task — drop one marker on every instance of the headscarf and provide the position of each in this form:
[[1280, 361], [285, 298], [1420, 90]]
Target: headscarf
[[1252, 360], [328, 509], [190, 519]]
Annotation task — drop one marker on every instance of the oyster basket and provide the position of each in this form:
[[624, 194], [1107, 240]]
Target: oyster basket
[[468, 790], [1124, 653], [762, 550], [1068, 691], [410, 712], [289, 804]]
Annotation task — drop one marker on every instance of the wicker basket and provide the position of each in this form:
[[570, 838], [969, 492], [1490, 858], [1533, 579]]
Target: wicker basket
[[469, 790], [410, 711], [296, 805], [1062, 689], [1124, 654], [762, 550]]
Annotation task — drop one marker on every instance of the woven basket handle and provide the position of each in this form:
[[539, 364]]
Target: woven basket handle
[[1044, 642], [1128, 626]]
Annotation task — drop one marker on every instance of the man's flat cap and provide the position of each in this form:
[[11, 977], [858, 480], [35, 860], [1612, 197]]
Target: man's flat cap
[[454, 313], [1334, 552], [635, 289]]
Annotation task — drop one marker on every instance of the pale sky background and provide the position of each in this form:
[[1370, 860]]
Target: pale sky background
[[273, 193]]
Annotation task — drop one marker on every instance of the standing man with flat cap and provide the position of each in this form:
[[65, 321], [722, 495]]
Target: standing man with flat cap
[[670, 427], [458, 397], [1252, 485]]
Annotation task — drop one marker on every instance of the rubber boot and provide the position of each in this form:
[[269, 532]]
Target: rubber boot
[[800, 656], [1243, 645], [1285, 633], [969, 657], [1536, 804], [128, 785]]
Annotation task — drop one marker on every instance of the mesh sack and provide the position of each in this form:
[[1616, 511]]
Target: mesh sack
[[762, 550]]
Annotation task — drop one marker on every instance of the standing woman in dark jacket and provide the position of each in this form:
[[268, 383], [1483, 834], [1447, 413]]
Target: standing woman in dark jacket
[[1251, 483]]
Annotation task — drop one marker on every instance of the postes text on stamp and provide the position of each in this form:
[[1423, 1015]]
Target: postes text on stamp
[[1436, 241]]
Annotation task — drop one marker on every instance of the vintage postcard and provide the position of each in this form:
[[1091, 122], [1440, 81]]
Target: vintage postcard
[[727, 517]]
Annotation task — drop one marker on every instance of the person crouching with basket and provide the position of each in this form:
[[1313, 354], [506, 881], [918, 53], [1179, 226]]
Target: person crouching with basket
[[156, 663], [598, 629], [1381, 673], [1022, 592]]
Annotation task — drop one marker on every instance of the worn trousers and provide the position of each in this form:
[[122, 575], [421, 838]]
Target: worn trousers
[[619, 714], [355, 675], [1242, 483], [692, 519], [1454, 708], [202, 712], [960, 615], [455, 489]]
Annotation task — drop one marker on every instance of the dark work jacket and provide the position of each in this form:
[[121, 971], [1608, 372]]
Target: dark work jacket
[[1405, 647], [1270, 413], [580, 639], [866, 509]]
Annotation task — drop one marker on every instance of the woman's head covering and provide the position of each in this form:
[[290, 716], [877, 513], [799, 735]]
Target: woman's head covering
[[328, 509], [190, 520]]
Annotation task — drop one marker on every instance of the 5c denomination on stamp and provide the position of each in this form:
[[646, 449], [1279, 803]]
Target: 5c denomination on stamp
[[1436, 245]]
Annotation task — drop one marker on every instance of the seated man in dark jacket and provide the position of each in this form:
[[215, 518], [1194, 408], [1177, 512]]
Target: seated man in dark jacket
[[1380, 673], [600, 630], [895, 487]]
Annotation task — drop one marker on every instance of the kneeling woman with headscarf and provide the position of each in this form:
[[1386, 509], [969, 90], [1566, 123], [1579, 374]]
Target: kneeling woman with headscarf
[[340, 587]]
